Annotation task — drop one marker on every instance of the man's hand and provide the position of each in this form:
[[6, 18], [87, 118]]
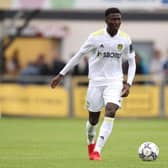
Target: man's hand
[[56, 80], [125, 90]]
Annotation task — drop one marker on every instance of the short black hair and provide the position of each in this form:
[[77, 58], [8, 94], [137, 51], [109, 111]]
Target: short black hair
[[111, 10]]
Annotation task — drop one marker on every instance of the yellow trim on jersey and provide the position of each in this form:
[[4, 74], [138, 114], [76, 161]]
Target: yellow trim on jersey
[[124, 35], [99, 32]]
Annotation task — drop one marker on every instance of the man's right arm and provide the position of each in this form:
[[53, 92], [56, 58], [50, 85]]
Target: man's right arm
[[56, 80], [86, 47]]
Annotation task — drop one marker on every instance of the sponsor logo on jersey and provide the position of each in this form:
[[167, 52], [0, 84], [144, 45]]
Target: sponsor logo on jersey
[[112, 54], [109, 54]]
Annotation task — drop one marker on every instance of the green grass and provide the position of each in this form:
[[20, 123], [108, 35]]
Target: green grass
[[60, 143]]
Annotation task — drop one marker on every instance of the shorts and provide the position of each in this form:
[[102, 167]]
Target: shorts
[[99, 96]]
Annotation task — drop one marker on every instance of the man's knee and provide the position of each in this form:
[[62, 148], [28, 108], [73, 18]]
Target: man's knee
[[111, 109], [94, 117], [93, 121]]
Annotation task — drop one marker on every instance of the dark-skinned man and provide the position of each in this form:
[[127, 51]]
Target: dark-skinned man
[[107, 48]]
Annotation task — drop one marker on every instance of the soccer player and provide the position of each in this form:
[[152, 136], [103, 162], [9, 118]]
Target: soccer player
[[107, 48]]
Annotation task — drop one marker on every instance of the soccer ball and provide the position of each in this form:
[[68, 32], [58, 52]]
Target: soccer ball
[[148, 151]]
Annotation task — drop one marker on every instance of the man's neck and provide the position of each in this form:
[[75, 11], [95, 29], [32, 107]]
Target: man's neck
[[112, 32]]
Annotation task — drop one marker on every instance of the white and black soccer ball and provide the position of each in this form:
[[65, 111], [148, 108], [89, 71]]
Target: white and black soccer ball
[[148, 151]]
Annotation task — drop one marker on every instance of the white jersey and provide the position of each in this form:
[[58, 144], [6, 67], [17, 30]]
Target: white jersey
[[106, 54]]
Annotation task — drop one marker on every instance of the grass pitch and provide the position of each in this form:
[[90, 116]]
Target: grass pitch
[[61, 143]]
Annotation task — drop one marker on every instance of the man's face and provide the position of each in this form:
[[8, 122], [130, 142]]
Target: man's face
[[113, 21]]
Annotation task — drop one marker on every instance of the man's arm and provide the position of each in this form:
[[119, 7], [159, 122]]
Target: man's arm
[[87, 47], [130, 77], [56, 80], [131, 71]]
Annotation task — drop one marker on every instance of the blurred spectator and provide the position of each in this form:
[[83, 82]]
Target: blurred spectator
[[13, 64], [156, 66], [81, 68], [165, 69], [141, 69], [37, 68], [42, 65], [3, 69], [27, 73], [30, 70], [57, 65]]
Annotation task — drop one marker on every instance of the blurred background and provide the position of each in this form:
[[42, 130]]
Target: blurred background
[[38, 37]]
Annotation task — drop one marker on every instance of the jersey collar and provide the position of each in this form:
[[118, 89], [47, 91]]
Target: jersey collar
[[106, 33]]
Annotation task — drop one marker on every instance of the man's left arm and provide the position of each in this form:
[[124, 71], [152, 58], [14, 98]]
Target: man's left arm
[[131, 72]]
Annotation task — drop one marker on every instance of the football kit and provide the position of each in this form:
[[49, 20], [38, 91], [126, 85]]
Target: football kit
[[106, 54]]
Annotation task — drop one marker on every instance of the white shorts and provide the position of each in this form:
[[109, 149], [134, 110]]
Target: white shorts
[[99, 96]]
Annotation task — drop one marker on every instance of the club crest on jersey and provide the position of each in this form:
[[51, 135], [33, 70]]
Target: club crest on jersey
[[120, 47]]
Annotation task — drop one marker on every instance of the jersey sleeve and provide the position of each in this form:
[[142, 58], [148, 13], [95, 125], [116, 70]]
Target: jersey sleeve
[[130, 55], [88, 46], [129, 50], [131, 70]]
